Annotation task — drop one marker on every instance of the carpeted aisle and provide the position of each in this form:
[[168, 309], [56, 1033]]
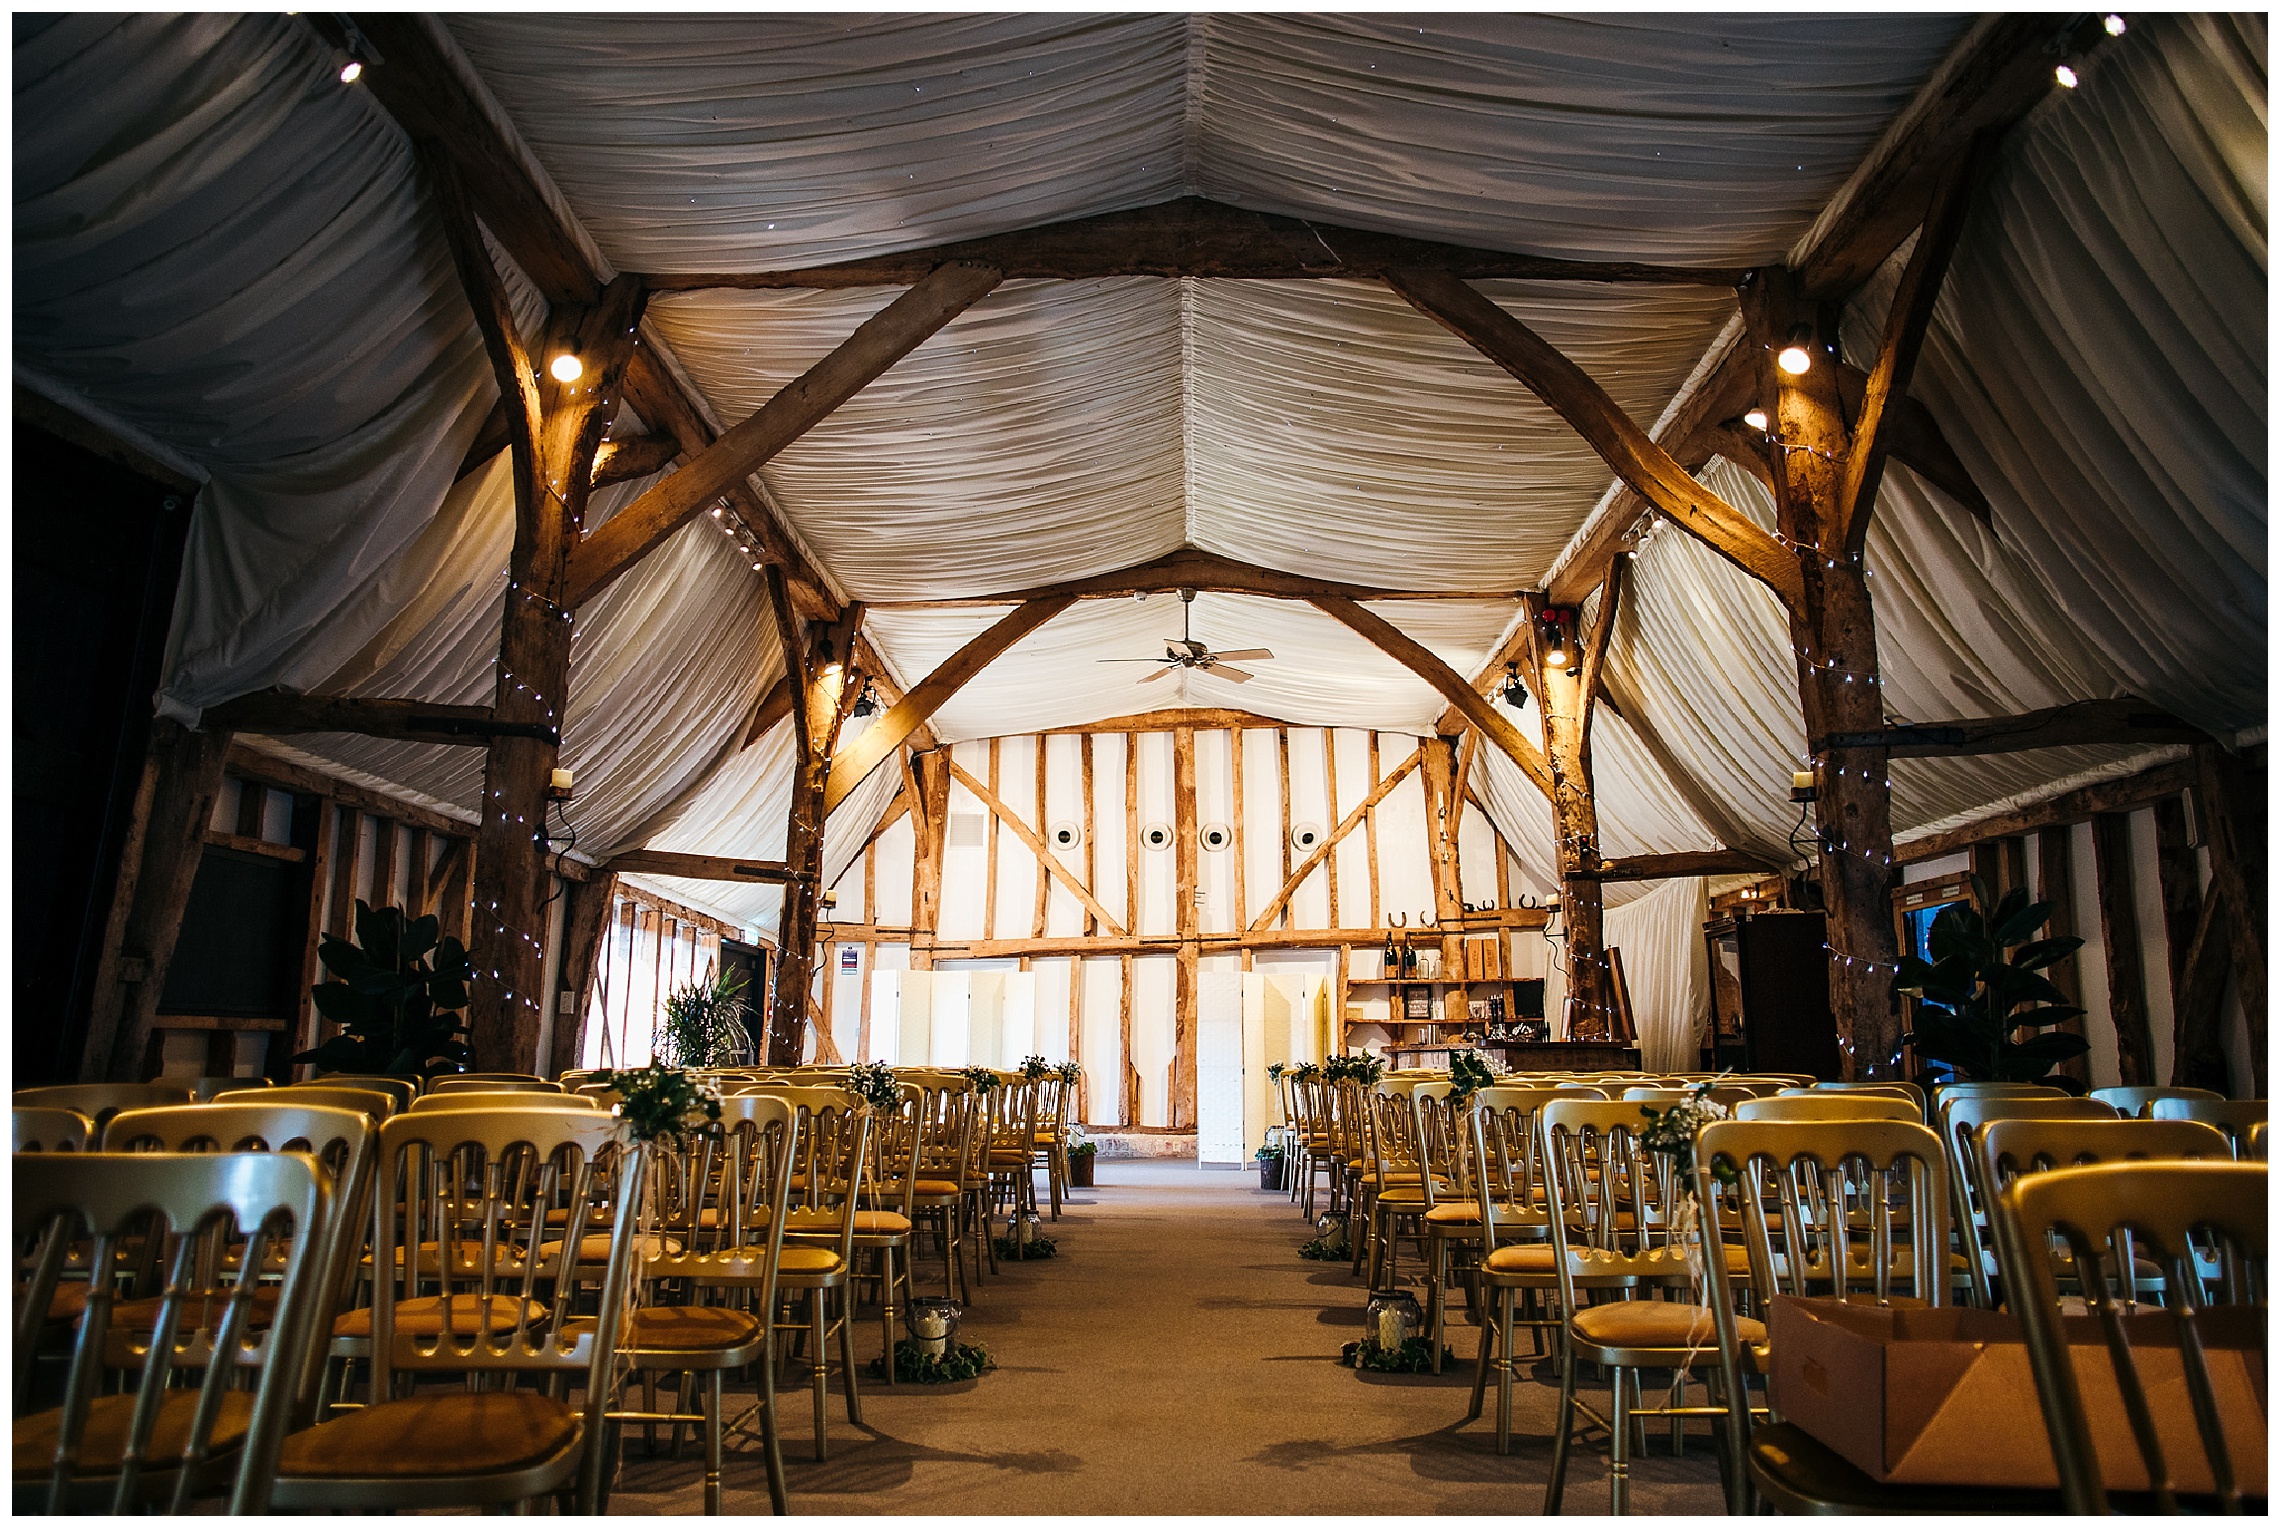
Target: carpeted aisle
[[1176, 1357]]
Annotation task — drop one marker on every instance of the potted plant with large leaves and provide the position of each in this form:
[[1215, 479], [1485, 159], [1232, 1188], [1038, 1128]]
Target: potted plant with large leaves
[[399, 988], [1984, 984], [702, 1023]]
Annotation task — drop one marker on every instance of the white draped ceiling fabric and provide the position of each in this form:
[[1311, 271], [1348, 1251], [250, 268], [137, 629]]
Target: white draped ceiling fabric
[[220, 246]]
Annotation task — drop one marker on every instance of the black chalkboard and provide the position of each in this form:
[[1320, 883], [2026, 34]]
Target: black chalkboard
[[239, 953]]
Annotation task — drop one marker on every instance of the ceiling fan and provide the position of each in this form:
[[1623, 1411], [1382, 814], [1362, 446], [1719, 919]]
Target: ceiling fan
[[1188, 653]]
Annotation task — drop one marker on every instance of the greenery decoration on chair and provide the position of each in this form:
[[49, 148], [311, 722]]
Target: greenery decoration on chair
[[1468, 1074], [400, 987], [874, 1082], [1366, 1069], [664, 1104], [703, 1022], [980, 1078], [1069, 1072], [1982, 969], [1035, 1069]]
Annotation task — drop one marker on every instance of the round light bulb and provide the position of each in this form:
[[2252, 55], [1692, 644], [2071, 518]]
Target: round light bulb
[[2116, 26], [567, 367], [2067, 77], [1795, 359], [1755, 419], [351, 72]]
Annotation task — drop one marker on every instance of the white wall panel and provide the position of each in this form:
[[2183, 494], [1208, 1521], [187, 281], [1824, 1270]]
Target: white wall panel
[[1154, 982], [897, 853], [1353, 852], [1102, 982], [1309, 804]]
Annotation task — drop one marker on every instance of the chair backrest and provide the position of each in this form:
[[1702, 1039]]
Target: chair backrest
[[1828, 1206], [1828, 1106], [898, 1149], [2236, 1117], [1506, 1162], [402, 1089], [204, 1090], [1661, 1096], [1444, 1149], [2110, 1216], [480, 1082], [834, 1152], [100, 1100], [52, 1129], [2139, 1102], [1392, 1135], [433, 1103], [380, 1105], [1907, 1090], [729, 1196], [1948, 1090], [341, 1141], [1961, 1117], [2253, 1144], [1611, 1202], [270, 1199], [462, 1205]]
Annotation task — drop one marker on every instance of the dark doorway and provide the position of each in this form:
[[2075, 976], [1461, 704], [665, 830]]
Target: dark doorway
[[98, 550]]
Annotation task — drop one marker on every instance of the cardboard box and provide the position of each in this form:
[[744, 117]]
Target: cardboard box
[[1947, 1397]]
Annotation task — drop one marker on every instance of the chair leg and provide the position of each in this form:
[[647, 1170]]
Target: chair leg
[[1619, 1445], [713, 1383], [1555, 1484], [1434, 1298], [818, 1378], [1480, 1366], [847, 1353], [887, 1309], [771, 1445]]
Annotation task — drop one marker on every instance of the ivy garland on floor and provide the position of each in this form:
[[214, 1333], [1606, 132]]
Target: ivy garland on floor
[[1414, 1356], [914, 1366], [1320, 1251], [1009, 1250]]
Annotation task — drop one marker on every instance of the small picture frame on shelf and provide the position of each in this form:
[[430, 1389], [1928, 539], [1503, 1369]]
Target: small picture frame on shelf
[[1417, 1004], [1477, 1010]]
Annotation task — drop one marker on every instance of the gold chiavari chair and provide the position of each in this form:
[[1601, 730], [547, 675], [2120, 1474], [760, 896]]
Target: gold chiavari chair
[[159, 1443], [818, 1258], [372, 1101], [1828, 1106], [948, 1124], [1514, 1229], [1612, 1211], [2109, 1217], [2252, 1144], [470, 1082], [1907, 1090], [1849, 1208], [2236, 1117], [2007, 1149], [1959, 1122], [724, 1203], [51, 1129], [463, 1100], [1317, 1156], [885, 1221], [401, 1089], [1449, 1217], [461, 1208], [489, 1079], [100, 1100], [2137, 1103], [339, 1141], [1393, 1188]]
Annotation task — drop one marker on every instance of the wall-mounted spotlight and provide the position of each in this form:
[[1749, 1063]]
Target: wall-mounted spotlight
[[567, 367], [1515, 693], [867, 703], [1558, 623], [1757, 419], [1796, 357]]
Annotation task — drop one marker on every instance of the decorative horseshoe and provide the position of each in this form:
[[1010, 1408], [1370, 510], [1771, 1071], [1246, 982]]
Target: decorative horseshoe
[[1397, 920], [1425, 920]]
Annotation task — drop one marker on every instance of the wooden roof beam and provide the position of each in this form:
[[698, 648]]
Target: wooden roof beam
[[2118, 795], [881, 340], [1650, 470], [1194, 236], [698, 867], [1663, 867], [281, 713], [2078, 723], [855, 761]]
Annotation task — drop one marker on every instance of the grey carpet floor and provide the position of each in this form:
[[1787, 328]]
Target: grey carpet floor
[[1176, 1357]]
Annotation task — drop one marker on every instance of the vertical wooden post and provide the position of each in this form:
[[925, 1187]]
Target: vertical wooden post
[[1128, 1082], [821, 657], [555, 427], [1833, 632], [2054, 860], [929, 784], [313, 819], [1184, 1017], [1282, 778], [2231, 799], [1439, 773], [2125, 960], [182, 779]]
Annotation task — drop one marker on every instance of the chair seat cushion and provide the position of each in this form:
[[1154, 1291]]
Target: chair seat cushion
[[446, 1433], [808, 1261], [596, 1248], [937, 1188], [424, 1317], [109, 1418], [1528, 1257], [1467, 1213], [1655, 1324], [689, 1329], [867, 1222]]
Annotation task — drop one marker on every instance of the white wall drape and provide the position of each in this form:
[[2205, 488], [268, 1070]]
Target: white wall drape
[[1667, 970]]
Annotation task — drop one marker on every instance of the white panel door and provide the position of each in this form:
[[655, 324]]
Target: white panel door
[[950, 1042], [1219, 1123], [907, 1015]]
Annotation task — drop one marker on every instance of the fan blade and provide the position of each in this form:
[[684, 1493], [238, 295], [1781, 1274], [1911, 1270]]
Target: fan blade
[[1160, 673], [1224, 672], [1244, 652], [1132, 660]]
